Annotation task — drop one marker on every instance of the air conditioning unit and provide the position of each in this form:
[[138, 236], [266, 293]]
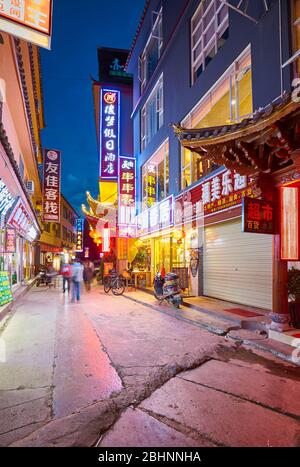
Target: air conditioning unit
[[30, 187]]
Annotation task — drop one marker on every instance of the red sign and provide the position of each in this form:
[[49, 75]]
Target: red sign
[[127, 195], [258, 216], [109, 134], [51, 186], [217, 193], [10, 240], [20, 219]]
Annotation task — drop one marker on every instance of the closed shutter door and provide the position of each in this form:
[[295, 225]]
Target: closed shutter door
[[237, 265]]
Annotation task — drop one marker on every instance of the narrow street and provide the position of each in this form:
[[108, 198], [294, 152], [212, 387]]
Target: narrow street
[[112, 372]]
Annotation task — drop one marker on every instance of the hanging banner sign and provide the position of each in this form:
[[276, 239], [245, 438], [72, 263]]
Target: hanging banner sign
[[27, 19], [79, 235], [127, 196], [258, 216], [10, 240], [109, 133], [51, 185], [5, 288]]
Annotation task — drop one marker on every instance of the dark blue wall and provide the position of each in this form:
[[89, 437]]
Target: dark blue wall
[[180, 96]]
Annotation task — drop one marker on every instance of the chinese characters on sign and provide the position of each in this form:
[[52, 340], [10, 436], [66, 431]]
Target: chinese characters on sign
[[51, 186], [6, 200], [258, 216], [79, 235], [127, 195], [223, 191], [10, 241], [31, 15], [151, 185], [5, 288], [20, 219], [156, 218], [109, 134]]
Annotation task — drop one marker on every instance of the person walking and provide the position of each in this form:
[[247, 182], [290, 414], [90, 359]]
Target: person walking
[[88, 274], [66, 272], [77, 277]]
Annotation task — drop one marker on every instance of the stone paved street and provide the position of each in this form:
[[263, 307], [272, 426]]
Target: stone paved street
[[112, 372]]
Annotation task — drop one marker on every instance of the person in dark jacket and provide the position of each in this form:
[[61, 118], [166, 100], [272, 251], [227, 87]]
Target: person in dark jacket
[[88, 274]]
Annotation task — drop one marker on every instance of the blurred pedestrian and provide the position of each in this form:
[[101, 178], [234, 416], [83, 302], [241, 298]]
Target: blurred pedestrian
[[88, 274], [77, 278], [66, 272]]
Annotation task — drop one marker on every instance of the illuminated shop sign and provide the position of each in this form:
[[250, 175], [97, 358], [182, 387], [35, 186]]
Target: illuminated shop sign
[[151, 184], [51, 185], [21, 221], [87, 252], [289, 224], [109, 134], [106, 240], [27, 19], [79, 235], [222, 191], [127, 196], [258, 216], [156, 218], [10, 240], [6, 199]]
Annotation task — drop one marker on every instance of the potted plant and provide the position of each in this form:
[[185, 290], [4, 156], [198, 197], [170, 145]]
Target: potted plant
[[294, 296]]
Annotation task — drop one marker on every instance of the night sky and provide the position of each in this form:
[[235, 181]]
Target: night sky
[[79, 27]]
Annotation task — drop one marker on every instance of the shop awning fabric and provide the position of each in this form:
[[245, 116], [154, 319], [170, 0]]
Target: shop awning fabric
[[266, 143]]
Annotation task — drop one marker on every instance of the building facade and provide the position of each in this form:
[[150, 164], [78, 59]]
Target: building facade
[[21, 119], [207, 65]]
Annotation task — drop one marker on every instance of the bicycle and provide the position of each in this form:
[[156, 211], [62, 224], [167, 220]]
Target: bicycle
[[114, 283]]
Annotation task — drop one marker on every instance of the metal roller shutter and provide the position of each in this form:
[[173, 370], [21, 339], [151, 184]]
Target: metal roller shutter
[[237, 265]]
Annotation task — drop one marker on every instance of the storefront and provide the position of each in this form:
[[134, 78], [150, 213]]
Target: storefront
[[223, 261]]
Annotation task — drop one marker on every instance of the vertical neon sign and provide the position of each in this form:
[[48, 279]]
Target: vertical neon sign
[[127, 196], [109, 133]]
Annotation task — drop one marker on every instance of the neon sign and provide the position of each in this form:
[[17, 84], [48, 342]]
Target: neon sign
[[79, 235], [127, 195], [109, 134]]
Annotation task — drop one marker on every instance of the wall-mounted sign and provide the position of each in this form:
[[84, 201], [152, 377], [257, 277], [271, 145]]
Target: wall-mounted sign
[[5, 288], [158, 217], [79, 235], [10, 240], [51, 185], [20, 219], [194, 260], [151, 184], [109, 133], [6, 199], [222, 191], [127, 196], [258, 216], [87, 252], [27, 19], [289, 223]]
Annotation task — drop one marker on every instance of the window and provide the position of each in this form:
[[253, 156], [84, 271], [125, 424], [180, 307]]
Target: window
[[152, 114], [151, 54], [229, 101], [155, 175], [295, 59], [209, 31]]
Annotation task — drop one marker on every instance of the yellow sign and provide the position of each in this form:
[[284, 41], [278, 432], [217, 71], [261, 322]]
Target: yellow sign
[[27, 19]]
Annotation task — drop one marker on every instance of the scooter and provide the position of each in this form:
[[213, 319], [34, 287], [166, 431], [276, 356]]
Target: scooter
[[43, 277], [167, 289]]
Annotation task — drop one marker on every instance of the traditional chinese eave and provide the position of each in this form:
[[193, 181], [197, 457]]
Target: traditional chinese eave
[[266, 143]]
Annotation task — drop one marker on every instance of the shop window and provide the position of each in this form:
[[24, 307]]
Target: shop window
[[209, 31], [155, 176], [152, 114], [152, 52], [229, 101], [295, 59]]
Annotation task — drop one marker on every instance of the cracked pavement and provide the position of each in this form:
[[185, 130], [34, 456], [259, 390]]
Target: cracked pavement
[[112, 372]]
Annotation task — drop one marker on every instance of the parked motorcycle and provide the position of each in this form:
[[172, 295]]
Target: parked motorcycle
[[167, 289], [44, 277]]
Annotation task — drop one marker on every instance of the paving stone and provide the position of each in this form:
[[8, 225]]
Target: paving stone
[[138, 429], [225, 419]]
